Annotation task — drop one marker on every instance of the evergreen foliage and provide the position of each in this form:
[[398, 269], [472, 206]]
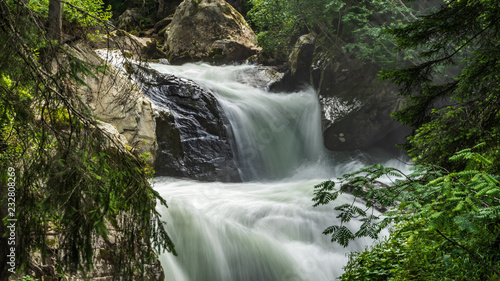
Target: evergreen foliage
[[445, 214], [72, 180], [452, 97]]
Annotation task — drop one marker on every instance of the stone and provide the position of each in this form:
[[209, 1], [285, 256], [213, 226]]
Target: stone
[[208, 30], [301, 57], [356, 105], [131, 46], [116, 101], [193, 134], [130, 20], [299, 61]]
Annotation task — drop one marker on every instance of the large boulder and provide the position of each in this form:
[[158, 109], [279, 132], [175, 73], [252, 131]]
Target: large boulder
[[299, 65], [130, 46], [208, 30], [116, 101], [130, 20], [356, 104], [193, 134], [126, 117]]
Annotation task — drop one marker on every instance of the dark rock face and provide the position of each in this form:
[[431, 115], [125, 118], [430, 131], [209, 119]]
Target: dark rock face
[[130, 20], [300, 61], [193, 134], [356, 105]]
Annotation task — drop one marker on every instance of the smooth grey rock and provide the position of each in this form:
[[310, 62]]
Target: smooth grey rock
[[115, 100]]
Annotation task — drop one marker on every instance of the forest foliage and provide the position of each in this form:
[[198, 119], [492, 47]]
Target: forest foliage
[[73, 183], [339, 25], [444, 215]]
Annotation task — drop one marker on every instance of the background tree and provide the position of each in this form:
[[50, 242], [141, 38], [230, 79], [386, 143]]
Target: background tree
[[55, 20], [338, 25], [452, 97]]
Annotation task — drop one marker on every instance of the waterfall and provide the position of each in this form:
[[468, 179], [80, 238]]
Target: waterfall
[[275, 133], [264, 229]]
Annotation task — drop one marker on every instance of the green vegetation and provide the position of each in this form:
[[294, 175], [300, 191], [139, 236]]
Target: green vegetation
[[354, 26], [445, 215], [453, 96], [84, 13], [76, 183], [72, 181], [446, 223]]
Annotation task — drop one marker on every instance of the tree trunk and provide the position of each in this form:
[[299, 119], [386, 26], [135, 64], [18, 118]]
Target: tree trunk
[[55, 20]]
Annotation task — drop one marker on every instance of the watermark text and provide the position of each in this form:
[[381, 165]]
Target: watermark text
[[11, 219]]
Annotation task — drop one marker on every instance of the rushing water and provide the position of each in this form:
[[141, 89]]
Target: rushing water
[[264, 228]]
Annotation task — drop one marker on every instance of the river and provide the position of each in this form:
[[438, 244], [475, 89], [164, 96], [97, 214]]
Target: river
[[264, 228]]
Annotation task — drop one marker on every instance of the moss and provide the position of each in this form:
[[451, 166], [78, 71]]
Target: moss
[[240, 19], [120, 33], [129, 68], [214, 52], [226, 9]]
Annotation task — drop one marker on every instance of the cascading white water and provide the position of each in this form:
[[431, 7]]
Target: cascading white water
[[249, 231], [275, 133], [265, 228]]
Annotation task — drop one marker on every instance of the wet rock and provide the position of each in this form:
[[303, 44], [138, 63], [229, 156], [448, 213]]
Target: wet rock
[[356, 105], [193, 134], [260, 77], [355, 102]]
